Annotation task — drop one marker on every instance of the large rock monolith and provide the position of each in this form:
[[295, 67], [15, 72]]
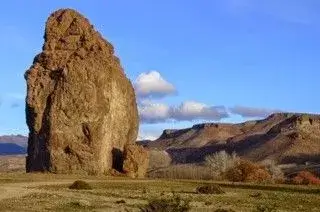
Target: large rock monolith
[[80, 106]]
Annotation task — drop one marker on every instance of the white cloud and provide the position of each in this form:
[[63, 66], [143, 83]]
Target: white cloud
[[191, 110], [251, 112], [152, 84], [151, 112], [146, 135]]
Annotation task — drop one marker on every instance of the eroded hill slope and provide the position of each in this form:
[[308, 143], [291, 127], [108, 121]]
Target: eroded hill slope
[[284, 137]]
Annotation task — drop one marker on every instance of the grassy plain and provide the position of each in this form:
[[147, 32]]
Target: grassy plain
[[48, 192]]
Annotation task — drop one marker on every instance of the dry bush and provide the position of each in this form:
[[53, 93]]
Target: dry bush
[[266, 208], [224, 210], [80, 185], [176, 204], [120, 201], [220, 162], [246, 171], [275, 171], [210, 189], [183, 171], [79, 204], [306, 178], [259, 175], [12, 163]]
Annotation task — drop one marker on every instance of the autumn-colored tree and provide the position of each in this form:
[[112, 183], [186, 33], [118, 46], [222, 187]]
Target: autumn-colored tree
[[306, 178], [247, 171]]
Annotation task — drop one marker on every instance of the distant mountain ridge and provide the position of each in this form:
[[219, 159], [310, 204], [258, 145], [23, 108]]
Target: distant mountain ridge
[[20, 140], [284, 137], [13, 144], [11, 149]]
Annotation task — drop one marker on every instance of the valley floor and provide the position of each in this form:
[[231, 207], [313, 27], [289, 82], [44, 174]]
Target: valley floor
[[45, 192]]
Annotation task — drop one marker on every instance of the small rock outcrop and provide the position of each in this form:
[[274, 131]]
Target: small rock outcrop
[[80, 106], [136, 161]]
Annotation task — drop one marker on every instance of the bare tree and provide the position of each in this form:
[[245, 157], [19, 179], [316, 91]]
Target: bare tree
[[221, 161], [274, 170]]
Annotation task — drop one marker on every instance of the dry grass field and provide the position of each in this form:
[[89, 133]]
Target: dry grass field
[[12, 163], [47, 192]]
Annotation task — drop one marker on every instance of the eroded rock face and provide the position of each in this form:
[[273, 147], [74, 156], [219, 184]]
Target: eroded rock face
[[80, 105]]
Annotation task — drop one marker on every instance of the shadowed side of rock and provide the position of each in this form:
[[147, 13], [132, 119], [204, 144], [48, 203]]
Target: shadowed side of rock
[[80, 105]]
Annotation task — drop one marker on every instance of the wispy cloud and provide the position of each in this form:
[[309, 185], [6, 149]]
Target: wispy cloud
[[15, 105], [13, 100], [251, 112]]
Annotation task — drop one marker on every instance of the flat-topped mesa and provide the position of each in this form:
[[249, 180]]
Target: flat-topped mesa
[[205, 125], [168, 133], [80, 106], [171, 133], [211, 125]]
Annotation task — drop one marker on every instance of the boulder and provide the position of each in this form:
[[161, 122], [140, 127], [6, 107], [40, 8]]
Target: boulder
[[80, 106], [136, 161]]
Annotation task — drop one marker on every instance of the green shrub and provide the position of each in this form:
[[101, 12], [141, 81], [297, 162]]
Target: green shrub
[[210, 189], [80, 185], [176, 204]]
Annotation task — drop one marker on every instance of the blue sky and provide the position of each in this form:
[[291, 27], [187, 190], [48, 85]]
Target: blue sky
[[206, 60]]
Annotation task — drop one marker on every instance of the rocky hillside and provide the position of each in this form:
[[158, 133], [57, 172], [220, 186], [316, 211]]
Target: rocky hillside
[[285, 137]]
